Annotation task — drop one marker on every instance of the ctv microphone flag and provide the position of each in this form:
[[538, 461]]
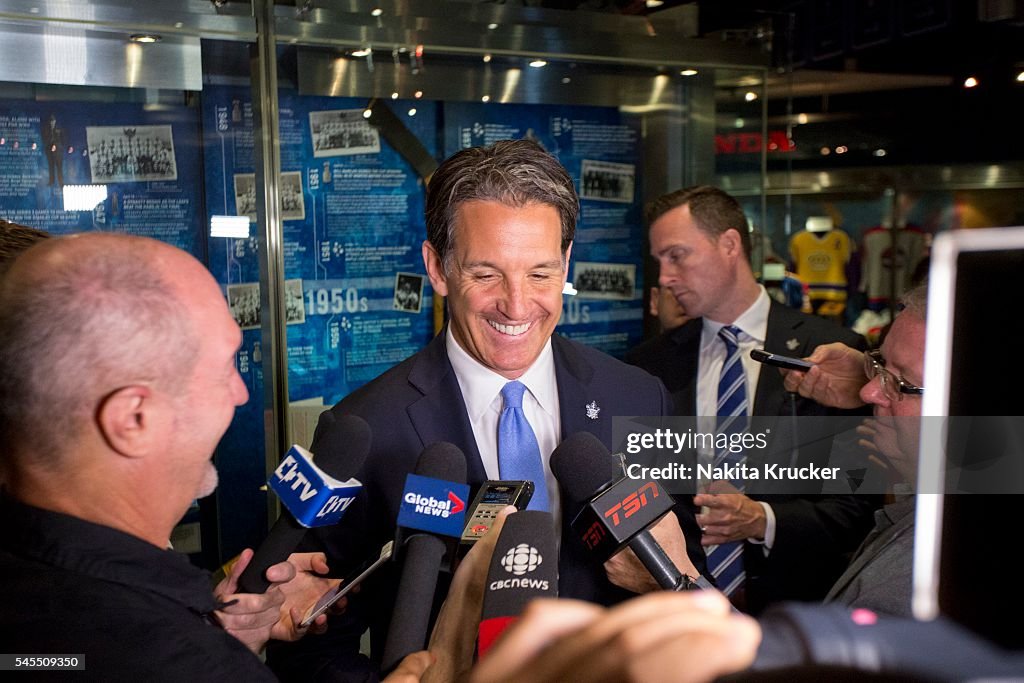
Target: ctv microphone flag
[[313, 497], [524, 566], [313, 494]]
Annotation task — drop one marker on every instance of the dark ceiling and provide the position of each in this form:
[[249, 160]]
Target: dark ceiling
[[852, 38]]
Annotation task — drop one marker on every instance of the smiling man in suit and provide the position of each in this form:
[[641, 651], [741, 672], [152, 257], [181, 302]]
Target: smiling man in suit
[[793, 546], [500, 227]]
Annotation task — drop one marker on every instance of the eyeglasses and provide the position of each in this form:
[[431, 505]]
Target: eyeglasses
[[893, 387]]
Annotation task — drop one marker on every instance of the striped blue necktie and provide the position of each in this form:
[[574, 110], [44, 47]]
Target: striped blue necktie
[[518, 452], [726, 560]]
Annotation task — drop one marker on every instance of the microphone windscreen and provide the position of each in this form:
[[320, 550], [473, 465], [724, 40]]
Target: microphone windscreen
[[583, 466], [442, 460], [524, 566], [341, 444]]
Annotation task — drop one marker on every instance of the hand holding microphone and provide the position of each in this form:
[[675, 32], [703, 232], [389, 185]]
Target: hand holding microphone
[[616, 511], [314, 491]]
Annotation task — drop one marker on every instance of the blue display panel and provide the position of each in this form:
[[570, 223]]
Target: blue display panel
[[357, 299], [600, 146], [146, 157]]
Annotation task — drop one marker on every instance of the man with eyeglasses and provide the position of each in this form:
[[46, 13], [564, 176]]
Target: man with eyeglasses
[[879, 576]]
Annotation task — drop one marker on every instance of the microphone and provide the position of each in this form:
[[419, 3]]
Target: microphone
[[524, 566], [617, 511], [430, 522], [314, 491], [799, 635]]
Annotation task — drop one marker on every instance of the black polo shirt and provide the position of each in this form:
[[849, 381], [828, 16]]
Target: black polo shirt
[[134, 611]]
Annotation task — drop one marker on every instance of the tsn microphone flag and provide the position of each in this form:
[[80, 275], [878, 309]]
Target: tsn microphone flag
[[313, 497], [433, 505]]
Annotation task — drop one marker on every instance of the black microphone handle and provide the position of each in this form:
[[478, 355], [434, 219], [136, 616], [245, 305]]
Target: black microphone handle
[[656, 561], [284, 536], [415, 600]]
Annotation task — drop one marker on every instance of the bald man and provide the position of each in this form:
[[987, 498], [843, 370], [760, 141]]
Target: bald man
[[118, 361]]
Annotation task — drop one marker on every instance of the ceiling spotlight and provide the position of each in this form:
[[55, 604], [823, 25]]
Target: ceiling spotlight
[[367, 113], [825, 151], [394, 96], [418, 94], [491, 27], [1020, 77], [566, 80], [651, 4], [485, 98], [879, 152], [376, 12], [750, 96], [361, 53], [145, 38], [537, 63], [487, 58], [971, 82], [688, 72], [842, 149], [412, 112], [802, 119]]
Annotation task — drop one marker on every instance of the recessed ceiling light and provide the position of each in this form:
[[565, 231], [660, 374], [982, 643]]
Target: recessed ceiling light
[[418, 94], [537, 63], [879, 152], [361, 53], [825, 151], [750, 96], [145, 38], [485, 98], [688, 72], [971, 82], [367, 113], [1020, 77], [412, 112], [487, 58], [394, 96], [842, 149], [376, 12], [802, 119], [491, 27], [566, 80]]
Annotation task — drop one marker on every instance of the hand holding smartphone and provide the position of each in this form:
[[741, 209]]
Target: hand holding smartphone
[[348, 583], [780, 361]]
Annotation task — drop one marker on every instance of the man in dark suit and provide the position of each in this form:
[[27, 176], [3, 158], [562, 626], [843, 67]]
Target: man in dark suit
[[795, 546], [500, 225]]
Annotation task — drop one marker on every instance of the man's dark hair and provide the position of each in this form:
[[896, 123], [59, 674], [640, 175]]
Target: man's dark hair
[[512, 172], [15, 239], [713, 210]]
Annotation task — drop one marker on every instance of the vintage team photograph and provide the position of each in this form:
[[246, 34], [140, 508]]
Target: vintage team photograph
[[607, 181], [244, 302], [605, 280], [341, 132], [125, 154]]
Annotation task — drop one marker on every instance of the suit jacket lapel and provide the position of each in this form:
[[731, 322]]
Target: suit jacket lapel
[[687, 340], [440, 415], [573, 376], [784, 328]]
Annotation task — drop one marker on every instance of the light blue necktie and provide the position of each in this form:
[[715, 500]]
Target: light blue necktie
[[518, 452], [726, 560]]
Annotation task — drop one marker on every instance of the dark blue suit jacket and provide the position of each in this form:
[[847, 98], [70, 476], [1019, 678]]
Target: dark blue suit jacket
[[815, 535], [418, 402]]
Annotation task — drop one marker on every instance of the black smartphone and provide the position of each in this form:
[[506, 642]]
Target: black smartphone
[[778, 360], [489, 501], [348, 583]]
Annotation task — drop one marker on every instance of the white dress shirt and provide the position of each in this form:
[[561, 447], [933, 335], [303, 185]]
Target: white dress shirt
[[753, 326], [481, 392]]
